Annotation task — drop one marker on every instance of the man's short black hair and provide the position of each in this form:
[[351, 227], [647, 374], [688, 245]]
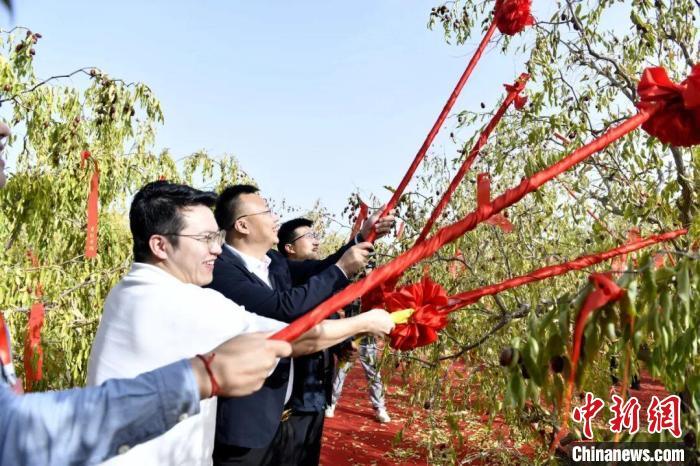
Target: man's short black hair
[[157, 210], [286, 232], [227, 206]]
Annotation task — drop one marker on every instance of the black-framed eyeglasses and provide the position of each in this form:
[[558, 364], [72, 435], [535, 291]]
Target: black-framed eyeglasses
[[308, 234], [268, 211], [215, 238]]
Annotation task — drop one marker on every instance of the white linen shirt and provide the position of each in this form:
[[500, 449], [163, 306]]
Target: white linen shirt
[[152, 319]]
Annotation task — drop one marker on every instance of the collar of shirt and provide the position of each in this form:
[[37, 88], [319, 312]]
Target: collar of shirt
[[260, 268], [152, 274]]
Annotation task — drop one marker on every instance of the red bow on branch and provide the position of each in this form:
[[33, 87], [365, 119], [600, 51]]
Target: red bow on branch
[[421, 329], [678, 122], [513, 15]]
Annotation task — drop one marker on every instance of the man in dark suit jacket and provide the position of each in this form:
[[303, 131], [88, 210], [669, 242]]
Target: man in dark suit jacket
[[249, 429], [313, 373]]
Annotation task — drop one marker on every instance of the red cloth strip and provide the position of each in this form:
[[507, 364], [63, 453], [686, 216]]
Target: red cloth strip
[[5, 348], [466, 298], [361, 217], [448, 234], [33, 352], [483, 198], [513, 92], [92, 210], [436, 127], [605, 291]]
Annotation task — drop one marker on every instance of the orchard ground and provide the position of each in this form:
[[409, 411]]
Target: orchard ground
[[353, 437]]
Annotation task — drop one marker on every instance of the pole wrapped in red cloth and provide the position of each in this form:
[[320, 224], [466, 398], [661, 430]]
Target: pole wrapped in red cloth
[[92, 208], [425, 298], [466, 298], [514, 91], [678, 124], [513, 15], [452, 232], [436, 126]]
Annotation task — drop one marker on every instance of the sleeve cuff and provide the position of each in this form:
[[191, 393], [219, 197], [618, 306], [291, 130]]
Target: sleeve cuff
[[342, 272], [179, 393]]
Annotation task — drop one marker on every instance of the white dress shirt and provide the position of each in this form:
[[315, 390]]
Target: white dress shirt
[[259, 268], [152, 319]]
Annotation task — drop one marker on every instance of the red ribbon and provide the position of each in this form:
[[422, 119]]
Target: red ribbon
[[514, 91], [605, 291], [33, 351], [466, 298], [678, 123], [436, 126], [483, 199], [92, 208], [450, 233], [361, 217], [512, 16], [423, 325], [5, 348]]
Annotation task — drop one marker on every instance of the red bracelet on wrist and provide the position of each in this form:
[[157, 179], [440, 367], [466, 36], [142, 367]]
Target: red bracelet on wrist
[[207, 361]]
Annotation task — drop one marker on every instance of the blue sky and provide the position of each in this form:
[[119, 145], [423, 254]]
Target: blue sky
[[315, 98]]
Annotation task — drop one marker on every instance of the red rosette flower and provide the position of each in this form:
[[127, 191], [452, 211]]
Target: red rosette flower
[[678, 122], [422, 327], [513, 15]]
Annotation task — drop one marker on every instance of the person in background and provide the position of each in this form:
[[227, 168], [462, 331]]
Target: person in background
[[313, 378], [367, 352], [298, 241], [88, 425]]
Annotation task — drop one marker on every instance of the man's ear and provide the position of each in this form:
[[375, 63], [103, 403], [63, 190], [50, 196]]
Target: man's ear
[[241, 226], [290, 249], [158, 245]]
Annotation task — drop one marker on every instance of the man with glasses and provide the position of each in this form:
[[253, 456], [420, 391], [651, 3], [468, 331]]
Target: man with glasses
[[159, 313], [250, 272], [313, 377]]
